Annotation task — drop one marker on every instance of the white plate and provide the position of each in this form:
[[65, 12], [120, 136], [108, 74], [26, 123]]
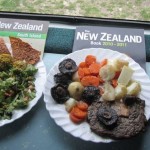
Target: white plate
[[39, 85], [58, 112]]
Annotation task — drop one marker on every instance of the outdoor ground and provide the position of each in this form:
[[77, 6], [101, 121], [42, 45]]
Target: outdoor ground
[[122, 9]]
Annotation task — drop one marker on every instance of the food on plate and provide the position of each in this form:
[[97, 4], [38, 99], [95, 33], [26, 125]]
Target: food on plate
[[133, 88], [79, 112], [124, 127], [23, 51], [102, 93], [68, 66], [6, 62], [70, 103], [60, 93], [125, 75], [62, 78], [3, 47], [75, 90], [109, 92], [17, 86], [90, 94], [107, 117], [120, 91], [107, 72]]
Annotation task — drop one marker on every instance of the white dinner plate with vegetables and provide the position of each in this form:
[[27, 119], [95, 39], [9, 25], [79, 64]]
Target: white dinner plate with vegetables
[[21, 87], [118, 76]]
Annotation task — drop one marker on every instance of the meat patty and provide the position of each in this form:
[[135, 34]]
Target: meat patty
[[126, 126]]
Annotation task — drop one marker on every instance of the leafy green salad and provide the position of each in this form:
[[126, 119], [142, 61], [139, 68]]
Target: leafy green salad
[[17, 86]]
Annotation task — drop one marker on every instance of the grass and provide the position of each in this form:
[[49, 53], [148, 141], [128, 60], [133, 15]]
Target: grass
[[119, 9]]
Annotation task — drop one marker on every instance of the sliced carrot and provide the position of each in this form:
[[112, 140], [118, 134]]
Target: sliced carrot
[[90, 59], [117, 74], [75, 119], [114, 83], [82, 106], [82, 65], [83, 72], [90, 80], [86, 71], [80, 73], [103, 62], [78, 113], [94, 68]]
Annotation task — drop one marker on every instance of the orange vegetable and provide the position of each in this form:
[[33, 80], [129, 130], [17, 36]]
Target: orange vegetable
[[83, 72], [114, 83], [86, 71], [82, 106], [80, 73], [90, 59], [117, 74], [75, 119], [103, 62], [82, 65], [90, 80], [78, 113], [94, 68]]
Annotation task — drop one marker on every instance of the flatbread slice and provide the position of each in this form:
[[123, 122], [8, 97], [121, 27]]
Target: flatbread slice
[[24, 51], [3, 47]]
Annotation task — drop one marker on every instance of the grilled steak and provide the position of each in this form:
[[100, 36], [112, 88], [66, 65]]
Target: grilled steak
[[127, 125]]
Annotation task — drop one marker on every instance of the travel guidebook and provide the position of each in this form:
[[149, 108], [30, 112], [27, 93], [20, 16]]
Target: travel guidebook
[[23, 34], [124, 40]]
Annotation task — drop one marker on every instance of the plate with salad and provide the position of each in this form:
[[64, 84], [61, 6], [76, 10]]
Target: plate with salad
[[21, 79], [98, 95]]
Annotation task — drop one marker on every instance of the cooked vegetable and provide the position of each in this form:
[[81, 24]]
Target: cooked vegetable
[[5, 62], [62, 78], [90, 94], [109, 92], [129, 100], [82, 106], [118, 64], [75, 77], [75, 90], [107, 73], [20, 64], [83, 65], [68, 66], [103, 62], [60, 93], [114, 83], [70, 103], [90, 81], [107, 116], [75, 119], [125, 75], [94, 68], [17, 86], [90, 59], [83, 72], [77, 112], [133, 89], [120, 91]]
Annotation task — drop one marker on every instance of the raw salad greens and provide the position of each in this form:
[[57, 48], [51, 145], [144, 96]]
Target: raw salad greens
[[17, 86]]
